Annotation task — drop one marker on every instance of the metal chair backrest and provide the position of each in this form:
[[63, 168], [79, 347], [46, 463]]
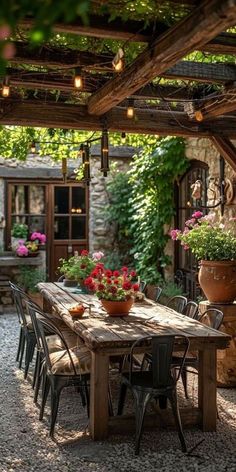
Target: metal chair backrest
[[162, 348], [18, 296], [178, 303], [191, 310], [142, 286], [158, 292], [42, 328], [212, 317], [61, 278]]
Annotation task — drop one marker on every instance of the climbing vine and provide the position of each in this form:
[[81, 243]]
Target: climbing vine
[[142, 204]]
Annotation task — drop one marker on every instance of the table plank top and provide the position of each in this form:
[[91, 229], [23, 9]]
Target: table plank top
[[145, 318]]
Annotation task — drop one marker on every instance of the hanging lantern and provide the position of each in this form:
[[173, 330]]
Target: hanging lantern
[[5, 88], [118, 61], [78, 79], [130, 108], [33, 147], [105, 153], [64, 168]]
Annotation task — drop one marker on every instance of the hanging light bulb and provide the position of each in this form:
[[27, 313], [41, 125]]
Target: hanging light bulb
[[105, 153], [64, 168], [123, 137], [118, 61], [78, 79], [5, 88], [130, 108], [33, 147]]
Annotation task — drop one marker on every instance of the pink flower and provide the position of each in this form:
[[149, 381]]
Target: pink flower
[[5, 31], [8, 51], [197, 214], [98, 255], [190, 222], [43, 238], [174, 234], [22, 250]]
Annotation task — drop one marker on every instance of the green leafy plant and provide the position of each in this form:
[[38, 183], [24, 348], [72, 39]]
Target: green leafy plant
[[29, 277], [78, 267], [207, 238], [20, 231]]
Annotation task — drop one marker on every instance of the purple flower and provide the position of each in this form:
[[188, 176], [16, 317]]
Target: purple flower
[[22, 250], [43, 238], [174, 233], [197, 214]]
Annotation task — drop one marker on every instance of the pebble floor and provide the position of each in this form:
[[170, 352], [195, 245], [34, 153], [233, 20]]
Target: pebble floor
[[25, 445]]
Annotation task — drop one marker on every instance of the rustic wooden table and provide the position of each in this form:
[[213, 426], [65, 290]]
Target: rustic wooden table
[[107, 337]]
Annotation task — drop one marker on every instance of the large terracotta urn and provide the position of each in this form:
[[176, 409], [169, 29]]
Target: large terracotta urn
[[117, 308], [218, 280]]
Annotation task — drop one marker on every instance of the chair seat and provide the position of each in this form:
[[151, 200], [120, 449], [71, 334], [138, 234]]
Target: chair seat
[[61, 363], [55, 344], [144, 380]]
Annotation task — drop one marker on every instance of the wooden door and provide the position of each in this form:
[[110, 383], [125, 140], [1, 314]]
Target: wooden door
[[69, 223]]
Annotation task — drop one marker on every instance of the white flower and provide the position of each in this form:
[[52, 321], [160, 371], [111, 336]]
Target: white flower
[[98, 255]]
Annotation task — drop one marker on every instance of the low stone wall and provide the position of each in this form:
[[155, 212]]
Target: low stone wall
[[9, 270]]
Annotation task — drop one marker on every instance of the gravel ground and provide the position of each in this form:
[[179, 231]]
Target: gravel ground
[[25, 445]]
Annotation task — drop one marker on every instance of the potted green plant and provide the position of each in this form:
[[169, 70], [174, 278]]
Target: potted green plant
[[19, 233], [214, 245], [65, 268], [78, 267], [28, 279]]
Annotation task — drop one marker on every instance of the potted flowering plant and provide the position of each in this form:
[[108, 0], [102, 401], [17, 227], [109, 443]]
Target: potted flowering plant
[[115, 289], [38, 238], [19, 233], [214, 245], [78, 267]]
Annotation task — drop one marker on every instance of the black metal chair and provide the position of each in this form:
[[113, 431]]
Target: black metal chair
[[158, 292], [142, 286], [212, 318], [27, 340], [159, 382], [178, 303], [64, 368], [191, 310]]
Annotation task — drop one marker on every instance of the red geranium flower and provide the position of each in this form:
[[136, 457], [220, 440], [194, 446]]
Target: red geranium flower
[[127, 285], [109, 281], [101, 287], [84, 252], [108, 273], [116, 273], [116, 281], [92, 287], [113, 289], [133, 273], [88, 281], [135, 287], [124, 269]]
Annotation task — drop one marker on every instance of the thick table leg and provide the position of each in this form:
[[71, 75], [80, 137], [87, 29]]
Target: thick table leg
[[207, 388], [99, 395]]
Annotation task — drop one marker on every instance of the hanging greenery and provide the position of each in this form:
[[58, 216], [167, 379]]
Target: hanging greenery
[[142, 206]]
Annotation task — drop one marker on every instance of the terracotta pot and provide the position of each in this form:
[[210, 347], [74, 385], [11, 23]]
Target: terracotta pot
[[218, 280], [115, 308]]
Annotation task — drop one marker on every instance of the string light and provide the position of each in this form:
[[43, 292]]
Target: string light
[[78, 79], [105, 153], [123, 137], [5, 88], [130, 108], [198, 115], [118, 61], [33, 147]]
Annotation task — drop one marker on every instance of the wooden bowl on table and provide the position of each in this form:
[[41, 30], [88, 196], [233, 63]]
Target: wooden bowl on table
[[77, 311]]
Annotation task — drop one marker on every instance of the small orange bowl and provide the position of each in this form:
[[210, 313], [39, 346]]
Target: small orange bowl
[[77, 311]]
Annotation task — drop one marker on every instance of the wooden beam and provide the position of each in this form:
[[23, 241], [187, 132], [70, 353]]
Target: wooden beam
[[200, 26], [216, 105], [50, 56], [226, 149], [33, 80], [58, 115], [220, 73], [224, 43]]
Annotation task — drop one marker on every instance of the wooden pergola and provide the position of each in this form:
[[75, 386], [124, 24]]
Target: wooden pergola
[[196, 98]]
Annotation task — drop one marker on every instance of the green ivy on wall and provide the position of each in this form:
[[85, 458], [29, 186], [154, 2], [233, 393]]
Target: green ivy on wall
[[142, 204]]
